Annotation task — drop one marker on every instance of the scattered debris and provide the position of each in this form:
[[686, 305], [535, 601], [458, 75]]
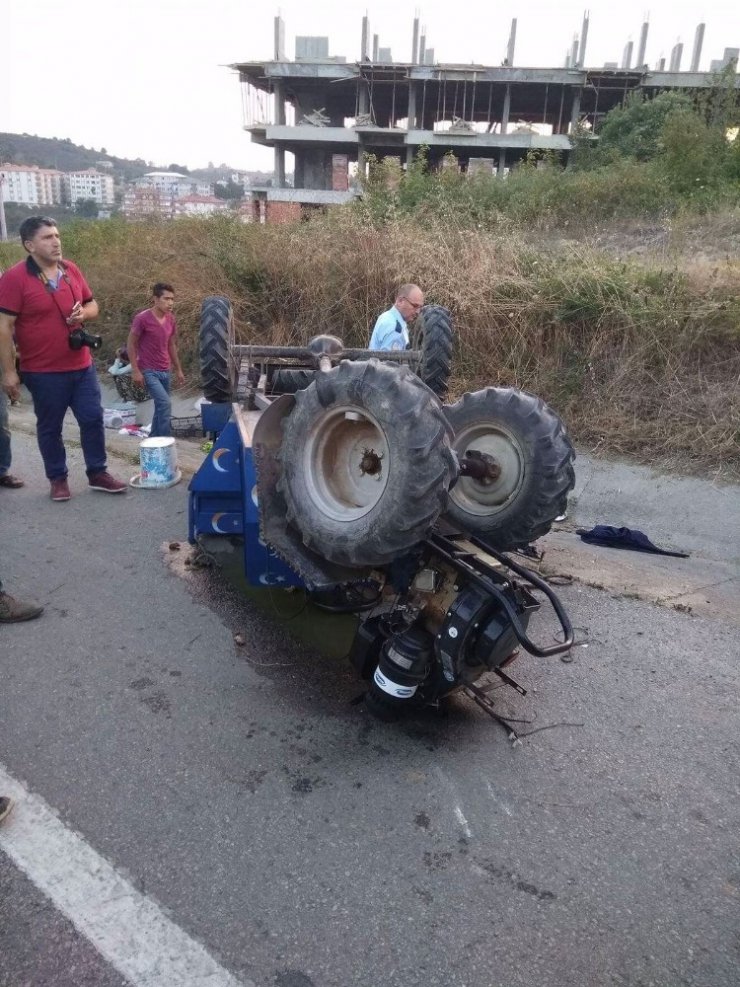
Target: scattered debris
[[316, 119]]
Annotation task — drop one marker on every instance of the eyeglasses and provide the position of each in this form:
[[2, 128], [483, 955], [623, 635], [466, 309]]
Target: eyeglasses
[[415, 305]]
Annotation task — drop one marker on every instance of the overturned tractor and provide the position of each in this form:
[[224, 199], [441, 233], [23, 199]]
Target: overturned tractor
[[343, 471]]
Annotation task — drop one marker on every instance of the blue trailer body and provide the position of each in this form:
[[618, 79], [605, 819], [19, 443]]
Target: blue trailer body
[[223, 496]]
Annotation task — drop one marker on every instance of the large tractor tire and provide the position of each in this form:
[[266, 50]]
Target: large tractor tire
[[366, 463], [432, 334], [529, 445], [219, 367]]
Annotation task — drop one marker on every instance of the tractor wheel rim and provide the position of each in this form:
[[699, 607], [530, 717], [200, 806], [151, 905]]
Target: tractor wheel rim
[[486, 497], [347, 462]]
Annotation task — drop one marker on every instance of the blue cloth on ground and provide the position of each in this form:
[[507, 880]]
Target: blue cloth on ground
[[630, 538]]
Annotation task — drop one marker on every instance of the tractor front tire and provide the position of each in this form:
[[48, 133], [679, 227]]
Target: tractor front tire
[[219, 368], [432, 334], [366, 463], [530, 446]]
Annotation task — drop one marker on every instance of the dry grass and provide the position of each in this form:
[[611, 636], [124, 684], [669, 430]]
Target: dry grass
[[633, 337]]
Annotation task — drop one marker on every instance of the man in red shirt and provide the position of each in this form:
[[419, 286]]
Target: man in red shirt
[[152, 350], [43, 301]]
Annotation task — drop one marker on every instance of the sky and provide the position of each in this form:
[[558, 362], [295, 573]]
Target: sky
[[148, 78]]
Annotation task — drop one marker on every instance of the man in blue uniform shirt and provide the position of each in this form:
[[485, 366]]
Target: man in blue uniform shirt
[[391, 330]]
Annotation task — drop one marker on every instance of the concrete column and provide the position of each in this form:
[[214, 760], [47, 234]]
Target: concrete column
[[501, 162], [642, 46], [422, 46], [415, 43], [576, 111], [558, 127], [506, 110], [512, 43], [698, 42], [676, 55], [584, 39], [574, 52], [299, 172], [365, 43], [411, 125], [279, 166], [376, 46], [279, 50], [627, 56], [278, 95], [364, 100]]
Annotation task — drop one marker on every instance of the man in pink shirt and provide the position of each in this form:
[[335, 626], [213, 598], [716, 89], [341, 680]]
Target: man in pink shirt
[[152, 350]]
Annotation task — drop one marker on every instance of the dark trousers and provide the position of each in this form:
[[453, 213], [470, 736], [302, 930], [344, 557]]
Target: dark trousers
[[52, 394], [5, 455]]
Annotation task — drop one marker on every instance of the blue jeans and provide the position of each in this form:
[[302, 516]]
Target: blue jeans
[[52, 394], [158, 385], [4, 433]]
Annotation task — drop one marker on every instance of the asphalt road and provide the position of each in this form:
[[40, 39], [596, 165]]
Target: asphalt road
[[303, 843]]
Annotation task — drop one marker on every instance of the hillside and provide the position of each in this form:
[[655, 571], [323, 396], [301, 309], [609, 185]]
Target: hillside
[[62, 154], [52, 152]]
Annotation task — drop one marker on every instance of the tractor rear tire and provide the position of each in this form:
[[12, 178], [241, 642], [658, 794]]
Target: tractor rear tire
[[433, 335], [366, 463], [531, 447], [219, 368]]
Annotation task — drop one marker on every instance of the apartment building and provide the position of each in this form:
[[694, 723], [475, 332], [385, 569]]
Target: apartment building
[[147, 202], [31, 186], [88, 184], [173, 184], [199, 205]]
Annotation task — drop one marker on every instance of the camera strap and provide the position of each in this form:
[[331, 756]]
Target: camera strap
[[63, 276]]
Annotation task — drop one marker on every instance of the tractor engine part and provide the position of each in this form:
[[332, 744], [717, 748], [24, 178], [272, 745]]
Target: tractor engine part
[[404, 665]]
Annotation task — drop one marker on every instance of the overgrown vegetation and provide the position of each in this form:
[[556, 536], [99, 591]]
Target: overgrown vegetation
[[654, 158], [612, 290]]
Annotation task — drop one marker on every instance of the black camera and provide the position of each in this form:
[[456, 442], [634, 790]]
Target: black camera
[[79, 338]]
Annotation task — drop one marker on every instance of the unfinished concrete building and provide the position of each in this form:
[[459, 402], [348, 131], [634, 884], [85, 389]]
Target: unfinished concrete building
[[329, 112]]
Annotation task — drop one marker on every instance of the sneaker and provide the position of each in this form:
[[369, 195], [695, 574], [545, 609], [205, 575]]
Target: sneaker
[[60, 489], [6, 804], [12, 611], [107, 483]]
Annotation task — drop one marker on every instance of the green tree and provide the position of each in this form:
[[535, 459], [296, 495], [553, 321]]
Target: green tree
[[228, 190], [692, 154], [86, 208], [635, 129]]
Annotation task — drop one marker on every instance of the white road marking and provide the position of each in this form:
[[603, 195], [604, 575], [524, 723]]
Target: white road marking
[[463, 822], [495, 798], [125, 926], [459, 814]]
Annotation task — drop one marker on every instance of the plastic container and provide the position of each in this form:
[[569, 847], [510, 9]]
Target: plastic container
[[158, 457]]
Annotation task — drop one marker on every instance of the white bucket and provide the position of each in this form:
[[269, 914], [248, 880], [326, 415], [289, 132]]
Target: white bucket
[[158, 457]]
